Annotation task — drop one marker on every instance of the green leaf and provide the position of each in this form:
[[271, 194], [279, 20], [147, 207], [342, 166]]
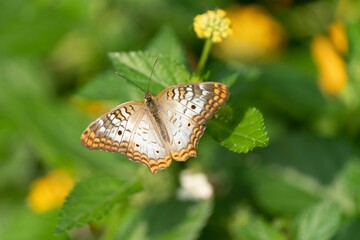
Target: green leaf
[[318, 222], [270, 185], [246, 224], [109, 86], [346, 188], [92, 199], [258, 230], [166, 43], [169, 220], [351, 178], [137, 66], [238, 131], [328, 154], [230, 80]]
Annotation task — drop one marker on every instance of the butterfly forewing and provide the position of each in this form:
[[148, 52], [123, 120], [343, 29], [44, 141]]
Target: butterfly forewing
[[112, 131], [154, 134], [128, 129], [186, 108]]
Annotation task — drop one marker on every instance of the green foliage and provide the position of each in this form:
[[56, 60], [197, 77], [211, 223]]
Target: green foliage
[[92, 199], [259, 230], [318, 222], [166, 43], [62, 14], [137, 67], [269, 189], [170, 220], [98, 88], [26, 224]]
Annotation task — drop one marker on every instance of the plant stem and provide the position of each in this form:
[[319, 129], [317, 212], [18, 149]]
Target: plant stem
[[204, 56]]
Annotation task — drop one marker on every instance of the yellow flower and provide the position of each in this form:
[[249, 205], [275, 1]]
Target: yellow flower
[[332, 68], [338, 37], [256, 35], [50, 191], [213, 24]]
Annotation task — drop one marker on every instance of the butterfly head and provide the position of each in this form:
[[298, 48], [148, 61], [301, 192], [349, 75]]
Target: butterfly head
[[149, 100]]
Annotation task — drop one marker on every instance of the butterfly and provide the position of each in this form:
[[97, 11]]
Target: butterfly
[[159, 129]]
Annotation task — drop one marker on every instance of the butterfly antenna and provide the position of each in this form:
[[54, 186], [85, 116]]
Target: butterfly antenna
[[152, 71], [122, 76]]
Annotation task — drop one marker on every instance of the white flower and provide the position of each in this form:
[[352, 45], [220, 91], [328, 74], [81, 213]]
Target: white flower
[[194, 186]]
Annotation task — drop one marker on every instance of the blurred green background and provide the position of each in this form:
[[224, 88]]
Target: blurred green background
[[298, 62]]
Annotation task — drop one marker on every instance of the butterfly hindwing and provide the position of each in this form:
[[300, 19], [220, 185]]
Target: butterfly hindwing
[[184, 134], [146, 145]]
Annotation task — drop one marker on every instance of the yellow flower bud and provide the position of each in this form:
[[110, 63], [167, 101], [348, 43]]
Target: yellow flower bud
[[332, 68], [338, 37]]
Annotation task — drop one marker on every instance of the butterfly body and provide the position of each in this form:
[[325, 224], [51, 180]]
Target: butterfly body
[[161, 128], [152, 107]]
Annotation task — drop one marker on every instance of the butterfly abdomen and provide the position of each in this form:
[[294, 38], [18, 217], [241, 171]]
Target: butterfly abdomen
[[153, 108]]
